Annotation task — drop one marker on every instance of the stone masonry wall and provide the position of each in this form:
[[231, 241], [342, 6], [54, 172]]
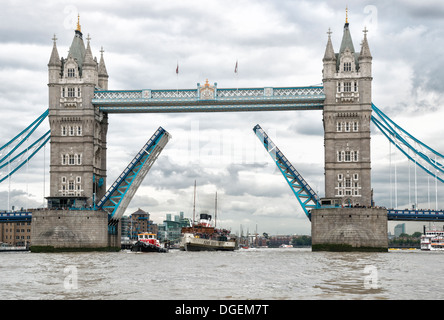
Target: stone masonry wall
[[70, 228], [349, 227]]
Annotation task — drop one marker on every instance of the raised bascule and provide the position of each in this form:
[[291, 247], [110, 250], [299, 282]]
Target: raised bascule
[[83, 214]]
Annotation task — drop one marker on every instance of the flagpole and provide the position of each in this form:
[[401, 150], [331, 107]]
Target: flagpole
[[177, 78], [236, 74]]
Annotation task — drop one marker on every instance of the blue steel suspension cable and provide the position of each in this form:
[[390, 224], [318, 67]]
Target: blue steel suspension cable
[[32, 127], [42, 140], [384, 116], [397, 137], [390, 131], [46, 135], [437, 165]]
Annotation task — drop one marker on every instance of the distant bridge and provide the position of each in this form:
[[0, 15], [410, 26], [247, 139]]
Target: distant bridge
[[18, 216], [415, 215]]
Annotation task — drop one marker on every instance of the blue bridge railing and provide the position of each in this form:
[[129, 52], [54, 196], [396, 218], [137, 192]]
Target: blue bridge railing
[[415, 215], [17, 216]]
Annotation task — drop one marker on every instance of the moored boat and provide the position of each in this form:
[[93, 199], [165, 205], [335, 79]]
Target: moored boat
[[432, 240], [147, 242]]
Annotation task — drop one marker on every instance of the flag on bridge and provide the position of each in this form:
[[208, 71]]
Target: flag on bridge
[[177, 68], [235, 68]]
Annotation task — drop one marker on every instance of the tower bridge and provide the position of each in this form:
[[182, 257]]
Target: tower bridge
[[80, 102]]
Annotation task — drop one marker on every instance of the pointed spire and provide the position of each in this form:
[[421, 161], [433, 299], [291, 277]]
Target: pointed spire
[[329, 52], [103, 74], [88, 59], [346, 38], [102, 67], [77, 49], [55, 59], [365, 49]]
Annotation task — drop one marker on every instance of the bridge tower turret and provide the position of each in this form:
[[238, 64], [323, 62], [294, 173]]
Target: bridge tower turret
[[78, 130], [347, 79], [103, 74]]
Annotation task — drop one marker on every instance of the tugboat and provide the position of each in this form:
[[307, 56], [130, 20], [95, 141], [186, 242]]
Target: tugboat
[[147, 242]]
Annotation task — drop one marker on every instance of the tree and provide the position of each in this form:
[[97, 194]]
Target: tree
[[301, 241], [417, 234]]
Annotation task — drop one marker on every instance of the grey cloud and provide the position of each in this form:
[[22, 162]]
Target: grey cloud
[[18, 199]]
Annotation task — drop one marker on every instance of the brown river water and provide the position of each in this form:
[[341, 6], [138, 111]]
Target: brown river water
[[268, 274]]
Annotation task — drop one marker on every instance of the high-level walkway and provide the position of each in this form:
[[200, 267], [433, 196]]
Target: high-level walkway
[[209, 98]]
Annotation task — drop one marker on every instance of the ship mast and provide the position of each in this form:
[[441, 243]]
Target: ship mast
[[194, 203], [215, 212]]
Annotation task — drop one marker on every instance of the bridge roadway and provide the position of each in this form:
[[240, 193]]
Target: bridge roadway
[[210, 99]]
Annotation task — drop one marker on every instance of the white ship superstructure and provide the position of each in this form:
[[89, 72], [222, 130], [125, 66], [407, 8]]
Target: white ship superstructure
[[432, 240]]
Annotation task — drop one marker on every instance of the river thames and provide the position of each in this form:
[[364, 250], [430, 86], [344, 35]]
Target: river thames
[[267, 274]]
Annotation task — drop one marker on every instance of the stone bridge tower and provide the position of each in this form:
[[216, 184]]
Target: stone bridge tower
[[347, 78], [78, 130]]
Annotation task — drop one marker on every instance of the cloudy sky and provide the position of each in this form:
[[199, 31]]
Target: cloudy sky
[[276, 43]]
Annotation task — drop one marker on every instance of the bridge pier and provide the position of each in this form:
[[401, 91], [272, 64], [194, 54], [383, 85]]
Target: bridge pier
[[349, 229], [72, 230]]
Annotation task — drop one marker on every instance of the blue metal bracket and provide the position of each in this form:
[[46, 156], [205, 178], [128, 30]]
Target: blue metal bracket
[[308, 199], [119, 195]]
